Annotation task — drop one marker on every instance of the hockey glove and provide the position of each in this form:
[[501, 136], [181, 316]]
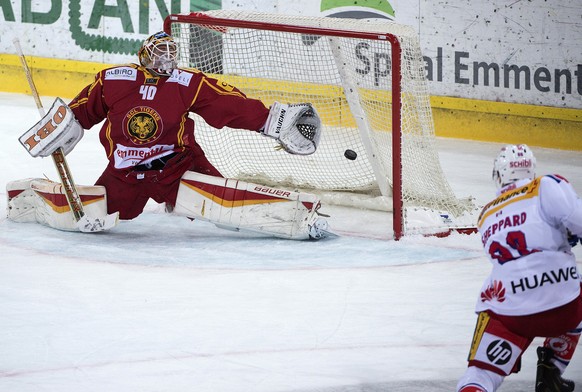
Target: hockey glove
[[573, 239], [58, 128], [296, 127]]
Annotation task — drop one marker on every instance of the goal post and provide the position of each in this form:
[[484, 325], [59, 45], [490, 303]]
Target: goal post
[[367, 81]]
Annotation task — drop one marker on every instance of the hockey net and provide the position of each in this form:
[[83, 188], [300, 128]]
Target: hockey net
[[367, 81]]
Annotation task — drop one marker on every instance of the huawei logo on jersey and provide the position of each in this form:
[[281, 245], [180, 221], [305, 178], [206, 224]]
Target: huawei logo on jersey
[[143, 125], [495, 291]]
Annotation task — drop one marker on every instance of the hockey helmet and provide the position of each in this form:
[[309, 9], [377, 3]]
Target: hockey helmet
[[159, 53], [514, 162]]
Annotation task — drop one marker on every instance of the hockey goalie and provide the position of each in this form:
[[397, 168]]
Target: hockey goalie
[[150, 143]]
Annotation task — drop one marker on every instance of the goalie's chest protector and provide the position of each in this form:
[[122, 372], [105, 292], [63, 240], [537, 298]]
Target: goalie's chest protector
[[148, 116], [146, 111], [531, 272]]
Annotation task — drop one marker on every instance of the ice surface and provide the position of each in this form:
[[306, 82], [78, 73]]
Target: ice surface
[[165, 304]]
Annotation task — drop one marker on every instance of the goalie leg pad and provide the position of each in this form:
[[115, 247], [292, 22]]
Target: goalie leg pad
[[43, 201], [239, 205]]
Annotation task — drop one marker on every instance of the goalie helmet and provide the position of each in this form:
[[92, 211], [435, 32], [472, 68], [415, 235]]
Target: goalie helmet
[[514, 162], [159, 54]]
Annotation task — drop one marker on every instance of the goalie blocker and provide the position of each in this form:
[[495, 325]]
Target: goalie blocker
[[57, 129]]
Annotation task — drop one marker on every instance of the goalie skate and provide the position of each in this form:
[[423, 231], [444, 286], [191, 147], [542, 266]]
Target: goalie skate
[[320, 229], [87, 224]]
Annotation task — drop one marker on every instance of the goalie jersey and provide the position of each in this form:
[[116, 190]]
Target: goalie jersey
[[523, 233], [146, 116]]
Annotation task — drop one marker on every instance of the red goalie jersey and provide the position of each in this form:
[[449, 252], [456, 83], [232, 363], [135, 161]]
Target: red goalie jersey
[[146, 116]]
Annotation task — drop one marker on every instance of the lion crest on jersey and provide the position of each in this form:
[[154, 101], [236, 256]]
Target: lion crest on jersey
[[143, 125]]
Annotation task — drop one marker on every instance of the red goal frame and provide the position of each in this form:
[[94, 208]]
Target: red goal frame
[[200, 18]]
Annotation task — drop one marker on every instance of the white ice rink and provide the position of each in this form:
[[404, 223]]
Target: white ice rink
[[163, 304]]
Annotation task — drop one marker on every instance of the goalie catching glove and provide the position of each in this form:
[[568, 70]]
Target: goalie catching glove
[[58, 128], [296, 127]]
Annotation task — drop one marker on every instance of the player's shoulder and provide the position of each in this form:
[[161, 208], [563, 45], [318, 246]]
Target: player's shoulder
[[554, 184], [186, 77], [192, 71], [553, 178], [126, 72]]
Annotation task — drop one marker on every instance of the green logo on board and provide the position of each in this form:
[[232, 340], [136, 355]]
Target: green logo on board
[[358, 9]]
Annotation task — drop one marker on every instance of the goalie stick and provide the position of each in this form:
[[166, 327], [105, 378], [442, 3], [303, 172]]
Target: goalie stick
[[85, 223]]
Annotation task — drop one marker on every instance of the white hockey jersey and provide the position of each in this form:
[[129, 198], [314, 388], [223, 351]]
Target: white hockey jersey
[[524, 234]]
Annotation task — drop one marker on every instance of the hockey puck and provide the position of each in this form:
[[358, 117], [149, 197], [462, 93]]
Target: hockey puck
[[350, 154]]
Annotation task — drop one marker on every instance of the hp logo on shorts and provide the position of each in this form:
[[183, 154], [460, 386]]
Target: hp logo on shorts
[[499, 352]]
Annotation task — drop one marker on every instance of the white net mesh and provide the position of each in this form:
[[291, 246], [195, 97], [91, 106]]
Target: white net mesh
[[347, 79]]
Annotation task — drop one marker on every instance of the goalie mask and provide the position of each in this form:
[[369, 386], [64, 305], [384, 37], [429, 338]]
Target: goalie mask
[[514, 163], [159, 54]]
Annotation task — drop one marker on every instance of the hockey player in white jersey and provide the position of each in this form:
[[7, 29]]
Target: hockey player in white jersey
[[534, 289]]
